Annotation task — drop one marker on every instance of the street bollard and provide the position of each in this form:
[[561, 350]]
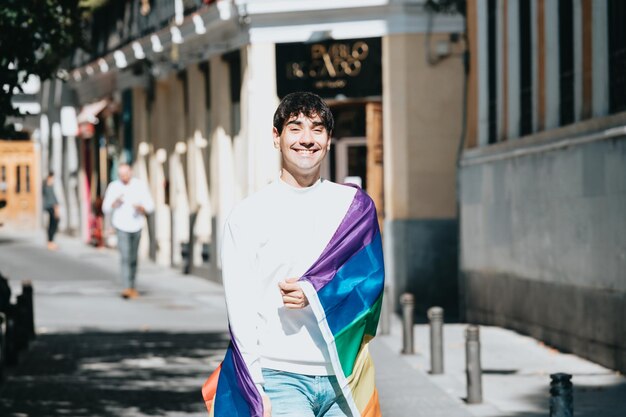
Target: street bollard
[[435, 316], [3, 329], [385, 313], [561, 395], [473, 367], [408, 304], [29, 308], [10, 336]]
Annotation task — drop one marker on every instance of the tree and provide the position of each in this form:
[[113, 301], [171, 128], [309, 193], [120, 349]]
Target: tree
[[36, 36]]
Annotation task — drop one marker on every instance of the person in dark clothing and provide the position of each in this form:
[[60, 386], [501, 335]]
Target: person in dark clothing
[[51, 205]]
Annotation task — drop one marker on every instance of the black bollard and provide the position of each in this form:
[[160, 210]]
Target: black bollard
[[435, 316], [21, 323], [10, 336], [3, 329], [473, 367], [408, 304], [29, 308], [561, 395]]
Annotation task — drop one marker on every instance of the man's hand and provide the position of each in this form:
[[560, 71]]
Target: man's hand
[[267, 406], [118, 201], [139, 209], [293, 296]]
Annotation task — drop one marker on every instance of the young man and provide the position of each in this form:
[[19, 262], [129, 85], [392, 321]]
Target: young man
[[271, 240], [129, 200], [51, 205]]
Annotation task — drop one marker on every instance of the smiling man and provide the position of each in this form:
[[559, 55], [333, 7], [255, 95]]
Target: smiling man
[[277, 248]]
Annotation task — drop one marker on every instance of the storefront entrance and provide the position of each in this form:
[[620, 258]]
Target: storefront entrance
[[19, 184], [356, 154]]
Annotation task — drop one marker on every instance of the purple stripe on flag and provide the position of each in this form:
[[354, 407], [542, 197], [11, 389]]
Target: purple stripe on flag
[[357, 230], [244, 380]]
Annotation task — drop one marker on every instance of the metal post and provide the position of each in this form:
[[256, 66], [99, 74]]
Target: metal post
[[435, 316], [3, 329], [473, 367], [29, 309], [408, 304], [385, 313], [561, 395]]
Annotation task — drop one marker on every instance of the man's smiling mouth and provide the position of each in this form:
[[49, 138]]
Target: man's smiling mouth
[[306, 151]]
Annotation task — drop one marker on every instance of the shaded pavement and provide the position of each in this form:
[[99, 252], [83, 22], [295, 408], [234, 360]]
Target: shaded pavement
[[98, 355]]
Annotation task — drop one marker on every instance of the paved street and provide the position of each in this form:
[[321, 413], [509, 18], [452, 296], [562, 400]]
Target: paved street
[[98, 355]]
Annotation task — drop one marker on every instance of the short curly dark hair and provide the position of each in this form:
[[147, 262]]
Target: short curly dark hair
[[308, 104]]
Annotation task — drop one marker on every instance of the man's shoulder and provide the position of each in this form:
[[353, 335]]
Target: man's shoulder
[[253, 206], [341, 189]]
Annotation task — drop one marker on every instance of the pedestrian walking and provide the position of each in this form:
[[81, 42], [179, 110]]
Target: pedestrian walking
[[51, 206], [303, 279], [129, 200]]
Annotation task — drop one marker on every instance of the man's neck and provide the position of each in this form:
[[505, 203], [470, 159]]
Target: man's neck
[[299, 181]]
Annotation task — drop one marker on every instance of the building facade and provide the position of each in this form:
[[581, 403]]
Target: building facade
[[186, 90], [543, 185]]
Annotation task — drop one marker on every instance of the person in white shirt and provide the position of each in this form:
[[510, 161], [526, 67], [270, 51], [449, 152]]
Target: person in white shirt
[[270, 240], [129, 200]]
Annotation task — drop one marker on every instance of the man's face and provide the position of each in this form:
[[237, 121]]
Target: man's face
[[303, 144], [124, 173]]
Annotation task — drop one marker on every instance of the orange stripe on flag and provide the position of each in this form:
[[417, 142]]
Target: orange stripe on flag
[[373, 407], [209, 388]]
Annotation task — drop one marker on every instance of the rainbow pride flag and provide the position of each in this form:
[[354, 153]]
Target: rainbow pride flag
[[345, 289]]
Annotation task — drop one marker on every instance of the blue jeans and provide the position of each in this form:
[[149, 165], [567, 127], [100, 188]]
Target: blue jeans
[[128, 245], [296, 395]]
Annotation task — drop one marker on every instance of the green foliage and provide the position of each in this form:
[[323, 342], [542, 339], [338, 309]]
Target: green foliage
[[36, 36]]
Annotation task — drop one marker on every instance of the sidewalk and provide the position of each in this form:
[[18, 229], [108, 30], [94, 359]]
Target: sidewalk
[[163, 345], [516, 374]]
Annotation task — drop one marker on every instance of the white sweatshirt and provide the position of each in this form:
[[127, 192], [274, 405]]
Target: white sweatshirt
[[125, 217], [275, 234]]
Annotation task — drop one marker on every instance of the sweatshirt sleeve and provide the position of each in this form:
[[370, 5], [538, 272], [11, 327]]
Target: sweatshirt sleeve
[[242, 291], [107, 203]]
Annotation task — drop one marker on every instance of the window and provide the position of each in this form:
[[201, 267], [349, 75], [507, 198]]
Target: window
[[3, 179], [566, 60], [492, 27], [526, 77], [617, 55], [18, 179], [27, 178]]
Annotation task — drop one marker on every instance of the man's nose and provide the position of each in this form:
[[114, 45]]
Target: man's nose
[[307, 137]]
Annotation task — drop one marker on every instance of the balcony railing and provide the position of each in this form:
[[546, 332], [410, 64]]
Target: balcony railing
[[121, 21]]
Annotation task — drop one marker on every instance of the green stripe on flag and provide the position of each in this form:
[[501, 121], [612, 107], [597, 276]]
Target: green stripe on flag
[[348, 341]]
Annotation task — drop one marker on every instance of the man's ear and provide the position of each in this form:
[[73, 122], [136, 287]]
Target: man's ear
[[330, 139], [276, 136]]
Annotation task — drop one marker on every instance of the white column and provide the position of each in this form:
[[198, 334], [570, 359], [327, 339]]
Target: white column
[[483, 72], [258, 103], [222, 155], [71, 164], [202, 229], [553, 89], [140, 170], [513, 68], [600, 47], [57, 168], [162, 219], [179, 202]]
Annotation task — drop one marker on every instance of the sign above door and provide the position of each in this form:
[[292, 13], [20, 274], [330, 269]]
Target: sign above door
[[350, 68]]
